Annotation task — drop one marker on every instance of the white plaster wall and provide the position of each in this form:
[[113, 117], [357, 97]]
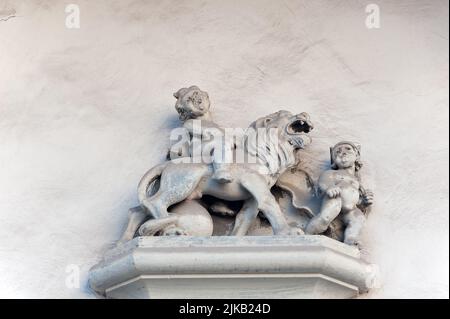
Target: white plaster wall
[[84, 113]]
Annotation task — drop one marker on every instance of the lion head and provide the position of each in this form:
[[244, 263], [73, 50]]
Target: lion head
[[275, 139], [292, 128], [191, 102]]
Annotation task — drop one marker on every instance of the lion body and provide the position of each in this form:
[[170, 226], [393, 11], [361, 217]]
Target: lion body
[[251, 182]]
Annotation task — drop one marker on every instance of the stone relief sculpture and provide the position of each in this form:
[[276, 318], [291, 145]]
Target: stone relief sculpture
[[203, 189], [233, 213]]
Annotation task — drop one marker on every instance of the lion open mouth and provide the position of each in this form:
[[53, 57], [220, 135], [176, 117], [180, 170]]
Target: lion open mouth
[[299, 126]]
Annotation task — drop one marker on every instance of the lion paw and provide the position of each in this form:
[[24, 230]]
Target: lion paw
[[296, 231], [292, 231]]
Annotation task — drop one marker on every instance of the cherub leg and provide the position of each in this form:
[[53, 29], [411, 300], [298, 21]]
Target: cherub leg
[[245, 218], [331, 207], [222, 157], [354, 220]]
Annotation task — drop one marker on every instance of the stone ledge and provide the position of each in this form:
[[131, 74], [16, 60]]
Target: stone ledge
[[232, 267]]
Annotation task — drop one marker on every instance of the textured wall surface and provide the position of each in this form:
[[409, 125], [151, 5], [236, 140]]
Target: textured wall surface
[[85, 112]]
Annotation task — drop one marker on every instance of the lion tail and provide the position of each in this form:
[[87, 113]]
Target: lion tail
[[152, 174]]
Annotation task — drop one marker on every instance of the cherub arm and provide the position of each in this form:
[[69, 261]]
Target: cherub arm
[[189, 126], [327, 184], [366, 197]]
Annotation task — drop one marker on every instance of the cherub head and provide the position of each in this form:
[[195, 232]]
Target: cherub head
[[191, 103], [345, 155]]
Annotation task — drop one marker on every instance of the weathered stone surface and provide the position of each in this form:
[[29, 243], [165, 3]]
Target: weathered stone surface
[[232, 267]]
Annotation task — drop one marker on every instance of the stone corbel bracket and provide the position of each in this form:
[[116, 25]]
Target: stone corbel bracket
[[232, 267]]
